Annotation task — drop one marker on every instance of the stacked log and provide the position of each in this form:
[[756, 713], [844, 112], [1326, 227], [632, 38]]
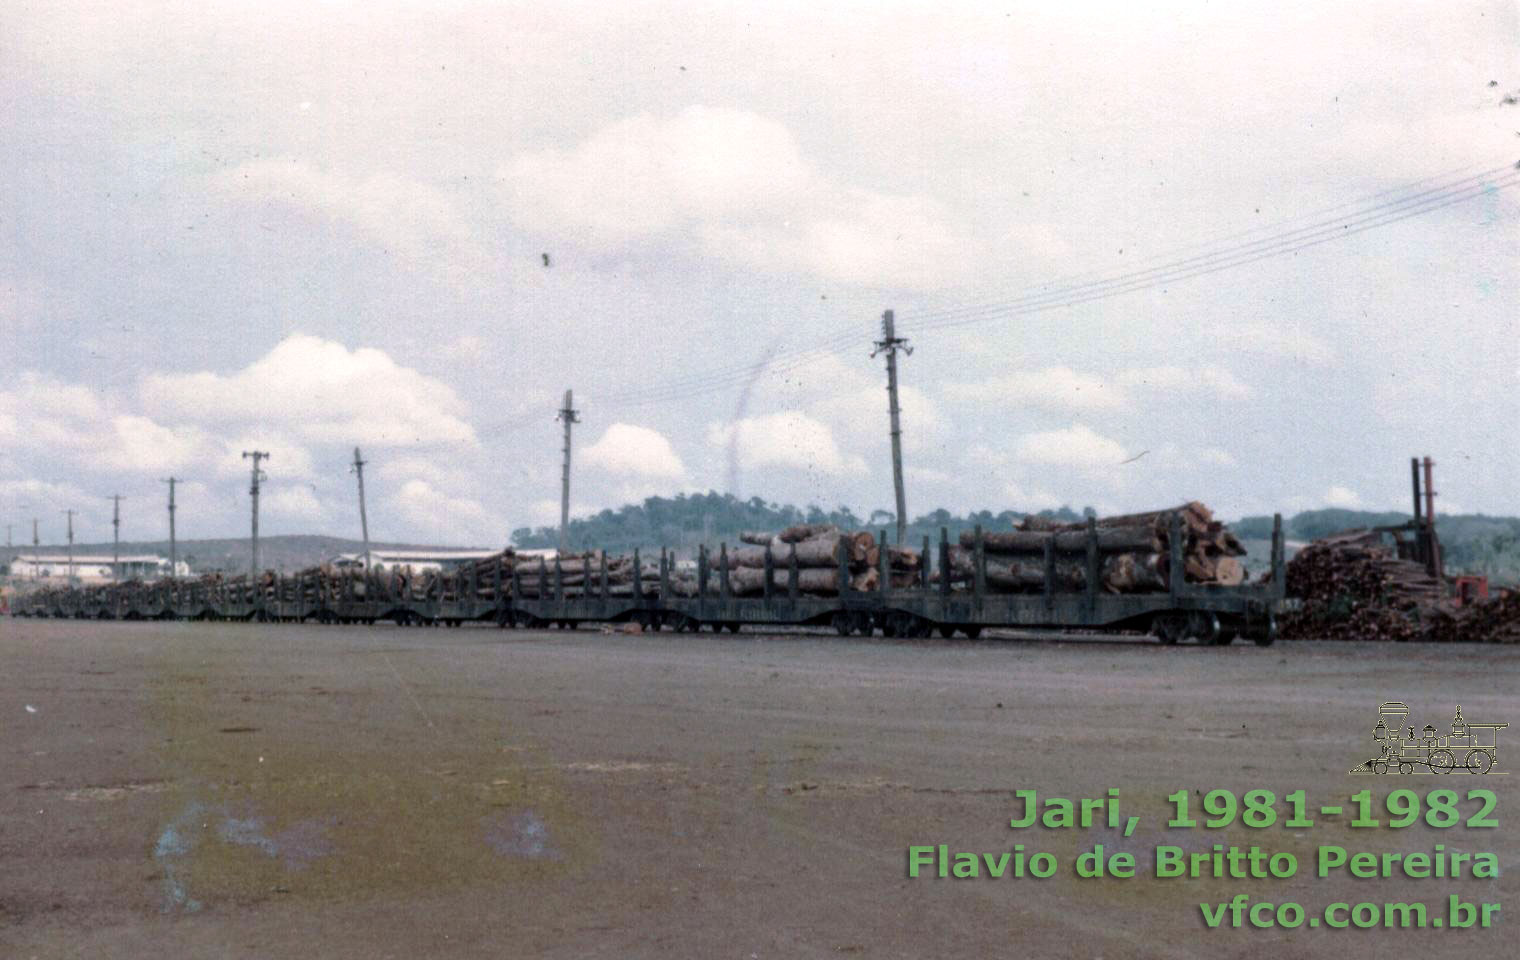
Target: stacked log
[[816, 550], [1351, 586], [1487, 621], [1134, 552]]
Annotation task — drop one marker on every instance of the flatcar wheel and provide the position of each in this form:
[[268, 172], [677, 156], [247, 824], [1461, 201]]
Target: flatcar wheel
[[1169, 628], [1265, 638], [973, 631], [842, 623], [946, 630]]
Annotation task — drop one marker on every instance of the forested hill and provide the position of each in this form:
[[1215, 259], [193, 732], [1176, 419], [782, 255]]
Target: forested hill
[[689, 519]]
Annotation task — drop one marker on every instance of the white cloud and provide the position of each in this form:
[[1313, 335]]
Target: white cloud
[[420, 505], [1054, 388], [1338, 496], [321, 392], [403, 216], [862, 416], [629, 450], [294, 505], [791, 439], [735, 185], [642, 176], [1023, 498], [1075, 446]]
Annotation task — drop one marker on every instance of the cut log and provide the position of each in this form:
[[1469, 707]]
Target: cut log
[[1126, 539]]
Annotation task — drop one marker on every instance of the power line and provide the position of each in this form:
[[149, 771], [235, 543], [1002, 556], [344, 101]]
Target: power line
[[1426, 200]]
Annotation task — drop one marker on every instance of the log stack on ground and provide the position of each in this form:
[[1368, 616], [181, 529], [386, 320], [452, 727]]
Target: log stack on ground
[[1353, 587], [1487, 621]]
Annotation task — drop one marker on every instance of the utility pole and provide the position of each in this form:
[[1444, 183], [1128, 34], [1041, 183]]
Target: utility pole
[[71, 545], [889, 344], [253, 492], [36, 541], [173, 558], [570, 416], [116, 499], [363, 517]]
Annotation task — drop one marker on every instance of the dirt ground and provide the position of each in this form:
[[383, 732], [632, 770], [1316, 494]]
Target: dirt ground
[[238, 790]]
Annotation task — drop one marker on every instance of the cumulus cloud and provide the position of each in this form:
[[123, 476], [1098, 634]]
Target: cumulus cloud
[[1075, 446], [862, 417], [736, 186], [321, 392], [420, 505], [789, 439], [629, 450], [642, 176]]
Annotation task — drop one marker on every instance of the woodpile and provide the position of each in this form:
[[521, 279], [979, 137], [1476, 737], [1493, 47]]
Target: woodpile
[[1488, 621], [1353, 587], [816, 551], [1133, 553]]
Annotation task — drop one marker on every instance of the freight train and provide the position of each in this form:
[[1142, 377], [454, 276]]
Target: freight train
[[1207, 613]]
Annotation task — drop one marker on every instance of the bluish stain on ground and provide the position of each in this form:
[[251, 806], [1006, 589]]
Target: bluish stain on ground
[[174, 845], [520, 835], [296, 846]]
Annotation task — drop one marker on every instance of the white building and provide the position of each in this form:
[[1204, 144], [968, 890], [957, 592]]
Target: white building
[[93, 568]]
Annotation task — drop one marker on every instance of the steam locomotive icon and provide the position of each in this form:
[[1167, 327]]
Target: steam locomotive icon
[[1470, 747]]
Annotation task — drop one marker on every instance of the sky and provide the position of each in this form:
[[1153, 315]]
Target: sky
[[1254, 254]]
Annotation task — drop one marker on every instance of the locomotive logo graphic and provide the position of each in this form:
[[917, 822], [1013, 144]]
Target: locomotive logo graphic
[[1469, 748]]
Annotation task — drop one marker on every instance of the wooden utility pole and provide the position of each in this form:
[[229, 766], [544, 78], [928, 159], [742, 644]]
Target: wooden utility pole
[[116, 499], [253, 491], [363, 517], [70, 514], [173, 552], [570, 416], [889, 344]]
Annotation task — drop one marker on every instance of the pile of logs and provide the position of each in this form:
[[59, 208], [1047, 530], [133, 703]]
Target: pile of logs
[[1353, 587], [1133, 553], [1488, 621], [816, 550]]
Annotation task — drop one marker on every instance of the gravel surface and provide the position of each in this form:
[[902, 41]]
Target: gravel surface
[[240, 790]]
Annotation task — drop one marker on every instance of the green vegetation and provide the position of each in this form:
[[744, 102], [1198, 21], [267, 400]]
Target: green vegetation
[[687, 520]]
